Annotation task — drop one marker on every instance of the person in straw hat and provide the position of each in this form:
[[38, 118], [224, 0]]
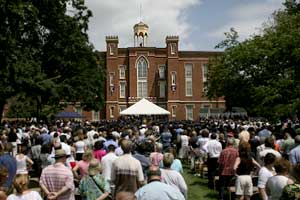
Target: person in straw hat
[[57, 180], [93, 186]]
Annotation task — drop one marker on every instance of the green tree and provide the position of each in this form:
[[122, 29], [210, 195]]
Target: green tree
[[261, 73], [45, 54]]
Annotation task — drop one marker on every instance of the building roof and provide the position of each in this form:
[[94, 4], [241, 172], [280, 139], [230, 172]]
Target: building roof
[[141, 24]]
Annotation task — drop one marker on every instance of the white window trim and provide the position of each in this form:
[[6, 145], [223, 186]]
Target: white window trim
[[188, 79], [111, 78], [162, 94], [120, 94], [173, 48], [142, 80], [111, 49], [96, 113], [164, 71], [122, 67], [173, 108], [204, 75], [172, 80], [186, 111], [111, 114]]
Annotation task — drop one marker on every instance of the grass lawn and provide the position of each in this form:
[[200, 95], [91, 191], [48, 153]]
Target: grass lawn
[[197, 187]]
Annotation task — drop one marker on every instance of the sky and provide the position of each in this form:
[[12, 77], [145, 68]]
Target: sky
[[200, 24]]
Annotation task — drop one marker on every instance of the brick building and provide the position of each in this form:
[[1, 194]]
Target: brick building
[[170, 78]]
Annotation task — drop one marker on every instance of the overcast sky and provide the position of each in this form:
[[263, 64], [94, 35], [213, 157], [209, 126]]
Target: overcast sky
[[200, 24]]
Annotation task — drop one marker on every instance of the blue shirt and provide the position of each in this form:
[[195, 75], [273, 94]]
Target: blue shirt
[[177, 166], [46, 138], [10, 163], [157, 190], [294, 156]]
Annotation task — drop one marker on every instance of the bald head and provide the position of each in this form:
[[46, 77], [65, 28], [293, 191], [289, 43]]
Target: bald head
[[154, 173]]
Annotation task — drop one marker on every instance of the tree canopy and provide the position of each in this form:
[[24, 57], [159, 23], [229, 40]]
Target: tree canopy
[[45, 54], [261, 73]]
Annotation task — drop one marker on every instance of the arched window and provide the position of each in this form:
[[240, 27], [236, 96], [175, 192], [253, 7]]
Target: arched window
[[142, 74]]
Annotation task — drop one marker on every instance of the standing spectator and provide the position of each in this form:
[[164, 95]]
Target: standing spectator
[[172, 177], [287, 144], [166, 138], [99, 152], [21, 186], [264, 133], [140, 156], [194, 151], [265, 173], [184, 149], [107, 162], [294, 156], [127, 173], [93, 186], [80, 145], [57, 180], [254, 141], [10, 163], [156, 190], [23, 160], [226, 164], [83, 165], [156, 157], [201, 144], [244, 136], [243, 166], [292, 191], [214, 148], [35, 153], [276, 183], [269, 148], [45, 137], [3, 177]]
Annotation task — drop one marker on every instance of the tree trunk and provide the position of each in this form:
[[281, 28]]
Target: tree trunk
[[2, 104]]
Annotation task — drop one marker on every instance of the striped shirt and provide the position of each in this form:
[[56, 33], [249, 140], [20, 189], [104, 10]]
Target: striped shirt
[[126, 173], [55, 177]]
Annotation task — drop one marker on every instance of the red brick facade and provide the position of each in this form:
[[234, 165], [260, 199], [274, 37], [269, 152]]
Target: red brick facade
[[175, 99]]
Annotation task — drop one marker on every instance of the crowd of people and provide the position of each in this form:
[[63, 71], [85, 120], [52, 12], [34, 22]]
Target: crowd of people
[[142, 159]]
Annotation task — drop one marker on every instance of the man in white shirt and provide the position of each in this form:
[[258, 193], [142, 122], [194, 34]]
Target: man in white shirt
[[107, 161], [214, 148]]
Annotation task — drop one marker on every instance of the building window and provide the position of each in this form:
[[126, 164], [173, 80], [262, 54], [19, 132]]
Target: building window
[[111, 79], [188, 80], [112, 49], [111, 111], [173, 48], [161, 70], [122, 89], [204, 76], [173, 111], [122, 107], [142, 74], [96, 115], [122, 72], [189, 109], [162, 89], [173, 78]]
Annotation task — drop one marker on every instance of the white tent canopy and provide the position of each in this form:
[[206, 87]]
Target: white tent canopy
[[144, 107]]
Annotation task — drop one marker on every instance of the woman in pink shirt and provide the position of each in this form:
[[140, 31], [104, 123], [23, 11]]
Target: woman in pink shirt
[[99, 152], [156, 157], [83, 165]]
